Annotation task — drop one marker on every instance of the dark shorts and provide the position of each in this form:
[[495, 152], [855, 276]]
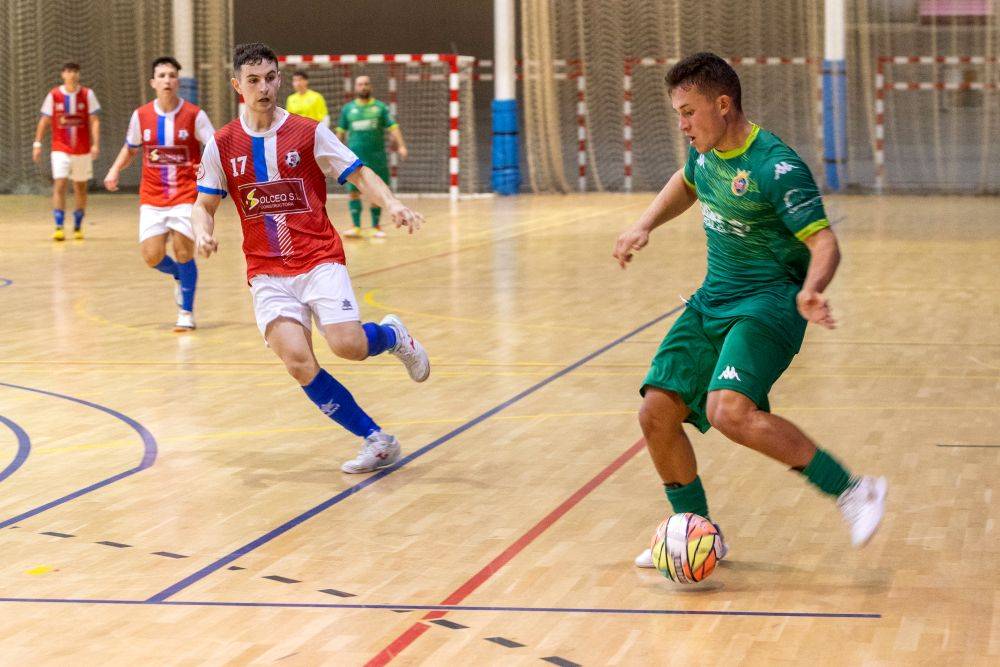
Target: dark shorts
[[701, 354], [377, 163]]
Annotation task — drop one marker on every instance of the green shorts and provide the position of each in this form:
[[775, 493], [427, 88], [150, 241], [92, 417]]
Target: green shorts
[[701, 354], [377, 164]]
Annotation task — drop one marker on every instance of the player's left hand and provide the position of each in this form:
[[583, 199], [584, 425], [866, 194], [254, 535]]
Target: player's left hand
[[402, 152], [404, 216], [814, 307]]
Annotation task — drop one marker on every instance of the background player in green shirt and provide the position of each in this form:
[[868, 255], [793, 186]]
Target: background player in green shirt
[[365, 121], [771, 255], [306, 102]]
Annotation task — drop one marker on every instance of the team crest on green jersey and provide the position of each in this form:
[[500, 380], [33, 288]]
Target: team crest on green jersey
[[741, 182]]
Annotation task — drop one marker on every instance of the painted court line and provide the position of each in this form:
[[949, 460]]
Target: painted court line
[[449, 608], [148, 455], [191, 579], [400, 643], [23, 448]]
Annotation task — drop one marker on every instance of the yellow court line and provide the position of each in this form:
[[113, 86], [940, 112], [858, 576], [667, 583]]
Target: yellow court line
[[223, 435], [369, 299]]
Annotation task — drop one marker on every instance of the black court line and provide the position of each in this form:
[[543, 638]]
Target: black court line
[[562, 662], [168, 554], [117, 545], [282, 580], [55, 534], [503, 641], [188, 581], [451, 625], [148, 455], [970, 446], [455, 607]]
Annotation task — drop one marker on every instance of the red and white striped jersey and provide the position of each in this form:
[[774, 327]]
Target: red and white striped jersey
[[278, 182], [70, 114], [171, 150]]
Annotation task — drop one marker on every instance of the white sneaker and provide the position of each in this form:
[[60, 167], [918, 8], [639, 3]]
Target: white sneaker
[[863, 506], [378, 233], [379, 450], [645, 559], [408, 350], [185, 321], [352, 233], [178, 294]]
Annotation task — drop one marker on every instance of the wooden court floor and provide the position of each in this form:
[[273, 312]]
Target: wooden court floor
[[175, 499]]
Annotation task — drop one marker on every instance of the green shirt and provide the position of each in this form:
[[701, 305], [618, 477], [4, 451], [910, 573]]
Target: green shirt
[[759, 203], [365, 124]]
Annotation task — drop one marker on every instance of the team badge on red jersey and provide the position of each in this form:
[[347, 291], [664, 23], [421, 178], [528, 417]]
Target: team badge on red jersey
[[292, 159]]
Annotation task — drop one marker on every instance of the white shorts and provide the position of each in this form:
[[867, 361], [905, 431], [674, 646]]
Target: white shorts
[[157, 220], [74, 167], [324, 293]]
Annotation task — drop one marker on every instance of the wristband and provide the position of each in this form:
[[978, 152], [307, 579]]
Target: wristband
[[36, 144]]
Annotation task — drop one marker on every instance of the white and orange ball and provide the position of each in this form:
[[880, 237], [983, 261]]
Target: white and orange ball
[[684, 548]]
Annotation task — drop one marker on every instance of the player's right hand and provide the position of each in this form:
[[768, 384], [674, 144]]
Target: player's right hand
[[630, 241], [36, 154], [111, 180], [205, 244]]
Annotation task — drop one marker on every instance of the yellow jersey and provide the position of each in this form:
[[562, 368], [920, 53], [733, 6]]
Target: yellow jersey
[[309, 104]]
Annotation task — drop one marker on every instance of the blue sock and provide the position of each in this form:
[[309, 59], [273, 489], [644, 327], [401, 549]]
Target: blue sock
[[168, 266], [59, 215], [187, 273], [337, 403], [77, 219], [380, 338]]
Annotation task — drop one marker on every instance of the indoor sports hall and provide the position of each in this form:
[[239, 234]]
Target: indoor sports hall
[[172, 496]]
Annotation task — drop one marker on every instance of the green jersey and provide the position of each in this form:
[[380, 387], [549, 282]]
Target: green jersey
[[759, 203], [365, 124]]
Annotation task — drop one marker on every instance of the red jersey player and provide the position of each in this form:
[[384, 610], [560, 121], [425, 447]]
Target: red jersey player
[[170, 131], [72, 112], [274, 165]]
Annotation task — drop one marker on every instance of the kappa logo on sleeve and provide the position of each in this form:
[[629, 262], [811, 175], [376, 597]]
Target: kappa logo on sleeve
[[781, 169]]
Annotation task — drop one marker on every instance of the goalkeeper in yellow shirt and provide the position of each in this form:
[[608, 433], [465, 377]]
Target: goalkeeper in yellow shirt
[[305, 102]]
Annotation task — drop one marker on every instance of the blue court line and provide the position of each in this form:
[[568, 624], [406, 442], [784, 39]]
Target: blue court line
[[438, 607], [4, 282], [173, 589], [148, 456], [23, 448]]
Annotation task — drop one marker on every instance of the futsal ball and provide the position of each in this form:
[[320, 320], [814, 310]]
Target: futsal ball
[[684, 548]]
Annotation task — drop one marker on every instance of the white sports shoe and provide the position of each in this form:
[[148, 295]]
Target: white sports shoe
[[185, 322], [352, 233], [378, 233], [645, 559], [863, 506], [408, 350], [379, 450]]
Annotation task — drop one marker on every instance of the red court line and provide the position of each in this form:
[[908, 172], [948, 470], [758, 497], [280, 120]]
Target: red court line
[[399, 644]]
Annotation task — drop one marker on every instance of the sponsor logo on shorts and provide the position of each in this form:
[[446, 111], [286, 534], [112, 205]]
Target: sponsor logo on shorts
[[729, 374], [741, 182], [167, 156], [284, 196]]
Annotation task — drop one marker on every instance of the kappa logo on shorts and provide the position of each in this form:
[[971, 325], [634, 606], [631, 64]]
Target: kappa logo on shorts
[[347, 305], [729, 374]]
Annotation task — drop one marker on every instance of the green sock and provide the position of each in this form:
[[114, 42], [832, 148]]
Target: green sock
[[688, 498], [827, 474], [355, 206], [376, 214]]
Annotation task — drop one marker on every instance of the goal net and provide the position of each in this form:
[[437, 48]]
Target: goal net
[[429, 95]]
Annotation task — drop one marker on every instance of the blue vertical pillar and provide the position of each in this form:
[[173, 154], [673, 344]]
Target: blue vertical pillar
[[506, 155], [834, 122]]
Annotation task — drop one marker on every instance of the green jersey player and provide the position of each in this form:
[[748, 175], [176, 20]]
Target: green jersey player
[[365, 121], [771, 255]]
